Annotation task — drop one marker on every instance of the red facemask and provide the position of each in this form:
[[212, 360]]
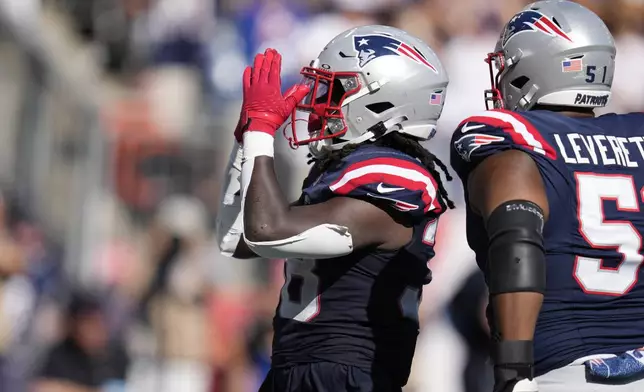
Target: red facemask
[[493, 95], [328, 90]]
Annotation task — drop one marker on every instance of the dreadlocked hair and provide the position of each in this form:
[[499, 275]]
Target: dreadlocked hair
[[402, 143]]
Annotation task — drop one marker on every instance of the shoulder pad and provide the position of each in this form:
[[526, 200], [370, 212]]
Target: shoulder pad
[[384, 177], [494, 131]]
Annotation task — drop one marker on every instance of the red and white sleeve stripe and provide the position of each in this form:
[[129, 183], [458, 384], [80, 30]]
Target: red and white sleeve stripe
[[393, 172], [521, 131]]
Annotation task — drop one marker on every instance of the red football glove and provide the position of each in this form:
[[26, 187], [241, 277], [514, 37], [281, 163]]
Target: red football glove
[[264, 108]]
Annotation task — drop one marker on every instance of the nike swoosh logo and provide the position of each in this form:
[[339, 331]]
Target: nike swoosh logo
[[382, 189], [467, 128]]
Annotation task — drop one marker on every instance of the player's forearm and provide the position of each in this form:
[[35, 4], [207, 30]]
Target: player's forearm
[[516, 276], [263, 203], [514, 218], [517, 314], [516, 272], [265, 207]]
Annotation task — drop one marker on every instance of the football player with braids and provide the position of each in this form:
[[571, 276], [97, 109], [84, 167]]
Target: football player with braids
[[553, 197], [358, 240]]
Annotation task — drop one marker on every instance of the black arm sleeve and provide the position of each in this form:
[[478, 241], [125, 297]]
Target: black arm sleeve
[[516, 256]]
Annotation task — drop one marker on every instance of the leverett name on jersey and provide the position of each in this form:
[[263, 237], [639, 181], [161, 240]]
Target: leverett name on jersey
[[601, 149]]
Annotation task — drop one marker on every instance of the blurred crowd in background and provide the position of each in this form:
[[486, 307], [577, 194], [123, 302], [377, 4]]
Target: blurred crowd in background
[[117, 120]]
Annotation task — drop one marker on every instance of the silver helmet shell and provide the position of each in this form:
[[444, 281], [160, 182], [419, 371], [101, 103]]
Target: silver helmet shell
[[367, 82], [556, 53]]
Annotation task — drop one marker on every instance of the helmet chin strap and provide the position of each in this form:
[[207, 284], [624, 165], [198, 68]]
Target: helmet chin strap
[[317, 148], [391, 125], [527, 101], [320, 148]]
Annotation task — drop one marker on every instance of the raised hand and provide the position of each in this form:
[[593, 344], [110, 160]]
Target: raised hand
[[265, 109]]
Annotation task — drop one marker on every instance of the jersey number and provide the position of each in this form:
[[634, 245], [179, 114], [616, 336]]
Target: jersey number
[[592, 276], [300, 299], [300, 295]]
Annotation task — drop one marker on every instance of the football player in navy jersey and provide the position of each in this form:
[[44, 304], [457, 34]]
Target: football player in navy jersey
[[358, 240], [553, 207]]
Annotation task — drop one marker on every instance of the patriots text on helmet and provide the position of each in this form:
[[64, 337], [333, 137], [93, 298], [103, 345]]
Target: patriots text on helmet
[[592, 100]]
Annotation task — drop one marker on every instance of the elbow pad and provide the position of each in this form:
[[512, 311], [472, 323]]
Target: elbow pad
[[325, 241], [516, 255], [229, 223]]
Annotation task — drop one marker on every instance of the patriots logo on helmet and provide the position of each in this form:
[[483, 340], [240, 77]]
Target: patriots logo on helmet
[[469, 143], [370, 47], [528, 21]]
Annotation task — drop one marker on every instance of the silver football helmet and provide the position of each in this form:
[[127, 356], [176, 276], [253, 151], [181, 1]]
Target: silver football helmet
[[367, 82], [556, 53]]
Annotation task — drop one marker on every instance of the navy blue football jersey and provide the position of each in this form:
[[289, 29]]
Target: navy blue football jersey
[[362, 309], [593, 172]]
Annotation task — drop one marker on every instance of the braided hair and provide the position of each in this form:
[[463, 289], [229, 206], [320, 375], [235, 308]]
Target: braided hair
[[402, 143]]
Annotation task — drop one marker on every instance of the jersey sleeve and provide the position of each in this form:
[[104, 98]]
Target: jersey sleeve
[[396, 184], [491, 132]]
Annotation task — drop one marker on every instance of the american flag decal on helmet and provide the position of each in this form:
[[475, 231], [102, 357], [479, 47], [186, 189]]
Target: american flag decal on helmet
[[574, 65], [532, 21], [436, 98], [373, 46], [467, 144]]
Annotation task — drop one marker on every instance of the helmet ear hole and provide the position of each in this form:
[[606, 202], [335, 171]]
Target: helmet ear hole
[[379, 107], [520, 82]]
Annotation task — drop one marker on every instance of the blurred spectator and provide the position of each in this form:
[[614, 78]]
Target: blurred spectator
[[178, 291], [12, 260], [84, 361], [17, 294], [174, 34]]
